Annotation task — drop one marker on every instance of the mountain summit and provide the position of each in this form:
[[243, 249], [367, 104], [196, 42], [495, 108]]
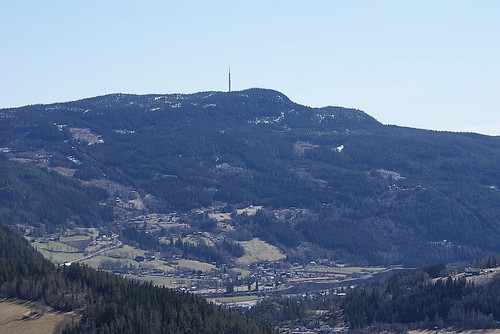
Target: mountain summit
[[252, 106]]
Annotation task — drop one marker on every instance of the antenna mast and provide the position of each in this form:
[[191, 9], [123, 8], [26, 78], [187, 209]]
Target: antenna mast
[[230, 79]]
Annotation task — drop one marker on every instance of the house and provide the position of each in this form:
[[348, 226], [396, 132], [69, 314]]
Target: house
[[472, 271]]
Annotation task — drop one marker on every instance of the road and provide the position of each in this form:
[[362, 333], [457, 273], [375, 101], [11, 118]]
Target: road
[[118, 244]]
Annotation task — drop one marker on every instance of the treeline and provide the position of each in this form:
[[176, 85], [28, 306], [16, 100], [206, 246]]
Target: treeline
[[122, 306], [27, 275], [265, 226], [201, 251], [426, 298], [296, 311], [414, 299], [108, 303], [223, 251], [47, 200]]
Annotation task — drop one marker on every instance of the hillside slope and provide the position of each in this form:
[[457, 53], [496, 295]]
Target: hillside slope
[[362, 191], [105, 302]]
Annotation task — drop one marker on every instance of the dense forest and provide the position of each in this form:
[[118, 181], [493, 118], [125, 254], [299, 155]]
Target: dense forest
[[107, 303], [373, 193], [416, 300], [48, 200], [426, 298]]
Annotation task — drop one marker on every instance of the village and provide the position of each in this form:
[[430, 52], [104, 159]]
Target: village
[[170, 249], [258, 275], [262, 269]]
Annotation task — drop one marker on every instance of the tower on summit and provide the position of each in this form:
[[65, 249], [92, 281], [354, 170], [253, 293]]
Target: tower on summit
[[229, 78]]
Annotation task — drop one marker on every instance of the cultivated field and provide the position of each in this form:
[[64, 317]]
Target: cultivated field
[[95, 262], [195, 265], [55, 247], [257, 250], [59, 257], [125, 252], [15, 319]]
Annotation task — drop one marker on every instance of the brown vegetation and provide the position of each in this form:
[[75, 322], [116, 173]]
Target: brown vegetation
[[17, 317]]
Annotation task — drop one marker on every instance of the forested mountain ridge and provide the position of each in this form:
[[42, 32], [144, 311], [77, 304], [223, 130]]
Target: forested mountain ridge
[[367, 192]]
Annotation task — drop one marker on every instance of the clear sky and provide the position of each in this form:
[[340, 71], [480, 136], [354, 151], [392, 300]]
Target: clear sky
[[431, 64]]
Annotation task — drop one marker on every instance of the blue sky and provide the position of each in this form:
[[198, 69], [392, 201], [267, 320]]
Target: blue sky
[[431, 64]]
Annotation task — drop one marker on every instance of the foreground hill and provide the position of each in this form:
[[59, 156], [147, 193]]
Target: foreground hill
[[106, 303], [431, 299], [331, 180]]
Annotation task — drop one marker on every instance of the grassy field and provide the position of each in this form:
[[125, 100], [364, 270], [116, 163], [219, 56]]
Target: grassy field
[[11, 319], [95, 261], [244, 273], [257, 250], [125, 255], [91, 231], [74, 238], [158, 264], [59, 257], [54, 246], [57, 252], [67, 249], [126, 252], [195, 265]]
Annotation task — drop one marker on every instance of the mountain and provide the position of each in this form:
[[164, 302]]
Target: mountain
[[333, 182]]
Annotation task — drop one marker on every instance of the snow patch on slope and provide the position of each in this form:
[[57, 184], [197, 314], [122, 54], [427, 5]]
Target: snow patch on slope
[[268, 120]]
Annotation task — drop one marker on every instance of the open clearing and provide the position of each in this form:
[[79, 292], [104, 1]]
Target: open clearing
[[243, 272], [125, 252], [95, 262], [158, 264], [257, 250], [195, 265], [57, 252], [74, 238], [60, 257], [11, 319], [125, 255], [54, 246]]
